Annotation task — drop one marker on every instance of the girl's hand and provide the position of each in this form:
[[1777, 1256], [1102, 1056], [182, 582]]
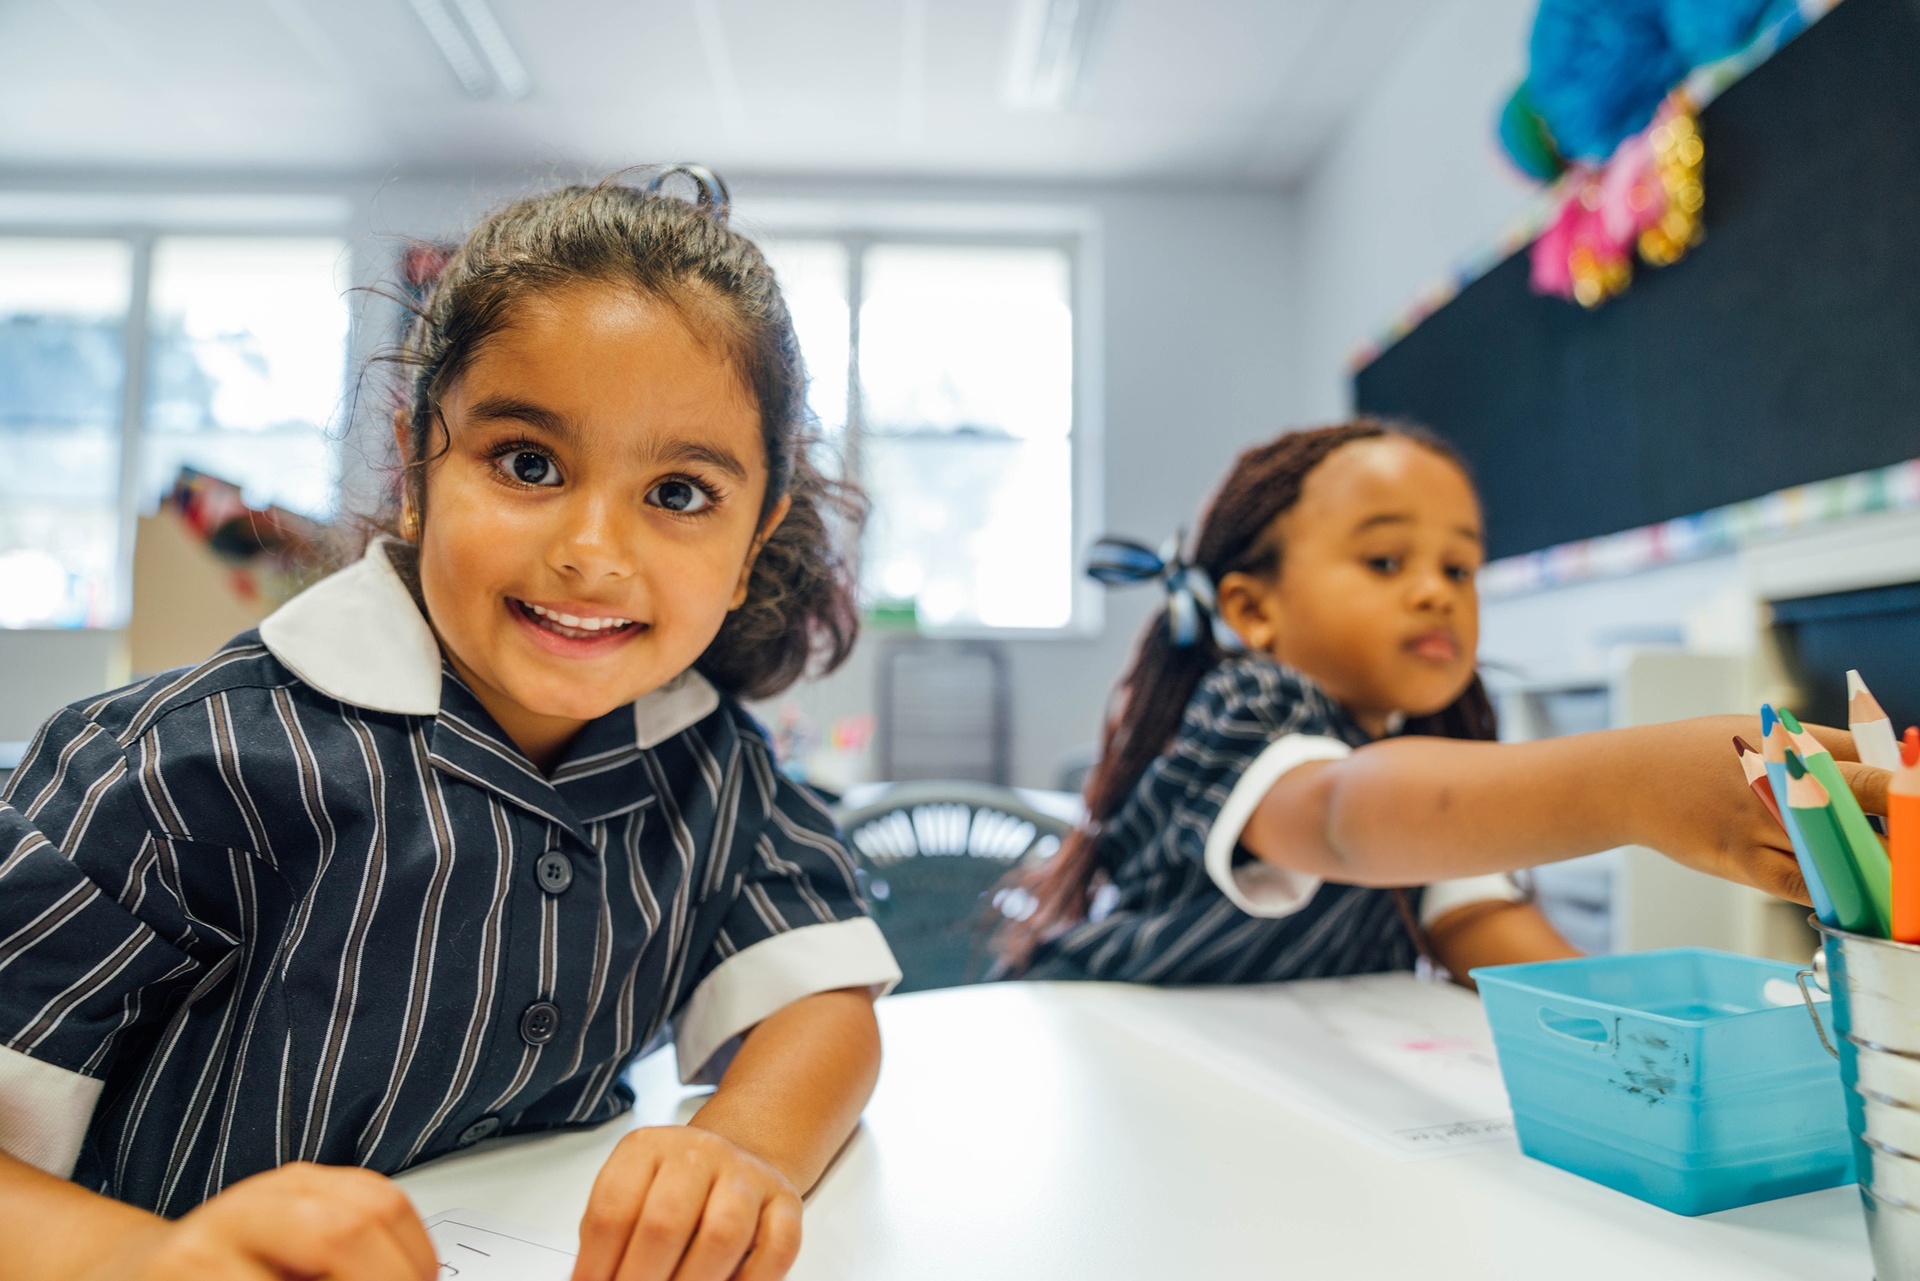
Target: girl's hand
[[1869, 785], [1693, 804], [299, 1220], [677, 1203]]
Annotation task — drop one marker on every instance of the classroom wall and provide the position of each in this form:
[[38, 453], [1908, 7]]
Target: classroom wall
[[1411, 186], [43, 669]]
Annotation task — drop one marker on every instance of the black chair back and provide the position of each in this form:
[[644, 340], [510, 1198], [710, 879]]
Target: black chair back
[[930, 854]]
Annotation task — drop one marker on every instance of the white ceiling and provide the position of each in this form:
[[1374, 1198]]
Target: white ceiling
[[1240, 91]]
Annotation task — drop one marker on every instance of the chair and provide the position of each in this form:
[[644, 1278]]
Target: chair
[[945, 711], [929, 854]]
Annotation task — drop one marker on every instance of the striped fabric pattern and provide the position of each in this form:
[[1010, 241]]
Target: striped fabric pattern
[[1169, 922], [281, 927]]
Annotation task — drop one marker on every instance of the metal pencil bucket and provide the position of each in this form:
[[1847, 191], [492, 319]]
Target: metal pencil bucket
[[1875, 986]]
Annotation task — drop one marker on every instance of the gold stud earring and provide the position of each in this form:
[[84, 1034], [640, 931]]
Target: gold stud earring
[[409, 520]]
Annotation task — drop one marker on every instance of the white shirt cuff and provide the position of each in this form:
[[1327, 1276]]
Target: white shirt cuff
[[44, 1111], [772, 974], [1259, 888], [1444, 896]]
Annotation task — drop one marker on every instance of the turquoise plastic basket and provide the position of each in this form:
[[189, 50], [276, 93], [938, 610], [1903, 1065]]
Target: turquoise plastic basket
[[1669, 1076]]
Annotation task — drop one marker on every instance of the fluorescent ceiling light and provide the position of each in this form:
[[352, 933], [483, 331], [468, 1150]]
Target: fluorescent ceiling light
[[1053, 46], [475, 46], [508, 71]]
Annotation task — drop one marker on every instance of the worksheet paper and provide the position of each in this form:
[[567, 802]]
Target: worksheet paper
[[478, 1247], [1404, 1066]]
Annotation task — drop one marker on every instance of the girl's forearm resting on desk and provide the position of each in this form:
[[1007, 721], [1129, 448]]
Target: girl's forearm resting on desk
[[51, 1227], [1410, 810], [719, 1198], [795, 1089], [298, 1220]]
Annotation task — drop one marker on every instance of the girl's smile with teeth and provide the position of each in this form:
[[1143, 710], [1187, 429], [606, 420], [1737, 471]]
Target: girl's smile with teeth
[[571, 626], [573, 621]]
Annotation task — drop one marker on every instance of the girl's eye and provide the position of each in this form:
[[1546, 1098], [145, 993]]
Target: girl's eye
[[530, 467], [1384, 564], [1459, 574], [681, 497]]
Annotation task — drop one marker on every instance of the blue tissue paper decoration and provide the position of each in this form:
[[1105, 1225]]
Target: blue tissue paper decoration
[[1599, 68]]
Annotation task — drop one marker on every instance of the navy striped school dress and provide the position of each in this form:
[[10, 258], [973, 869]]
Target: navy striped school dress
[[306, 901], [1188, 904]]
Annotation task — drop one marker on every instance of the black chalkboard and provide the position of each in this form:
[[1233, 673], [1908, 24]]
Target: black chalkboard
[[1876, 630], [1784, 349]]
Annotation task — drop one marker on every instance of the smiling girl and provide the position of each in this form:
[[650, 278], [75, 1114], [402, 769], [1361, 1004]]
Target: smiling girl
[[468, 826], [1287, 747]]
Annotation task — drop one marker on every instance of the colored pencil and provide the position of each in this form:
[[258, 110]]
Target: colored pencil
[[1903, 825], [1812, 808], [1773, 740], [1869, 855], [1755, 768], [1872, 727]]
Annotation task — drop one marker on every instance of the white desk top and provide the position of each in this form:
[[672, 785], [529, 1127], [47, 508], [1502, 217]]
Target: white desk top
[[1094, 1130]]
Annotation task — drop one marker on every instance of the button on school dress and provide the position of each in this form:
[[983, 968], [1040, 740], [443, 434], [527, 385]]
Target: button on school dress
[[539, 1023], [479, 1130], [555, 871]]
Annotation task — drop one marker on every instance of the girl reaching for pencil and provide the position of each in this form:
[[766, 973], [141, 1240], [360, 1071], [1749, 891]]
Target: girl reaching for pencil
[[1302, 731]]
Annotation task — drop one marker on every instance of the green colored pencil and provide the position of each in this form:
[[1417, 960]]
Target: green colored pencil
[[1869, 855], [1813, 813]]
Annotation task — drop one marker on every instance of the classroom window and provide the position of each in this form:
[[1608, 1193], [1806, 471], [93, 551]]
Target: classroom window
[[813, 278], [247, 350], [63, 319], [958, 400], [236, 367]]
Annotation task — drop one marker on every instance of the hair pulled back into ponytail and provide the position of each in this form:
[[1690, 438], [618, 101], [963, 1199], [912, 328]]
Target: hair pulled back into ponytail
[[1233, 537], [801, 609]]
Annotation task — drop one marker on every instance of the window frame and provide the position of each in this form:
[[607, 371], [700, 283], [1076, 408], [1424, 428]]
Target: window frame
[[113, 216], [1074, 231]]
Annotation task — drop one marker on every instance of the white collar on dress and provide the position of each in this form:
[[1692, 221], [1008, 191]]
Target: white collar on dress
[[357, 636]]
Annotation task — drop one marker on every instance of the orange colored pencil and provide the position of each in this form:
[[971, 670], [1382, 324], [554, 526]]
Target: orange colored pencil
[[1903, 826], [1754, 766]]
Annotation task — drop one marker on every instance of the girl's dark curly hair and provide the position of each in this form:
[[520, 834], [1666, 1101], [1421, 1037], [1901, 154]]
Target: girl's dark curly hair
[[801, 609]]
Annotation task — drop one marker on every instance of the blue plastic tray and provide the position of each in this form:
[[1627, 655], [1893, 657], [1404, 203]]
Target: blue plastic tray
[[1669, 1076]]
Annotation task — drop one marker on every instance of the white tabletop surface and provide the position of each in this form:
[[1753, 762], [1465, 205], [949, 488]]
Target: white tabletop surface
[[1065, 1130]]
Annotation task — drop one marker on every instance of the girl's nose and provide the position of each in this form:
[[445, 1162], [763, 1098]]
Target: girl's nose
[[1432, 589], [591, 543]]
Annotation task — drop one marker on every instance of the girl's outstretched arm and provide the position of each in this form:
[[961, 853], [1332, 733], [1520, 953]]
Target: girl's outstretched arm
[[1411, 810], [719, 1198]]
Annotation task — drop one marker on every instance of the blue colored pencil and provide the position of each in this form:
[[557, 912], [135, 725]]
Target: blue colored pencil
[[1773, 750]]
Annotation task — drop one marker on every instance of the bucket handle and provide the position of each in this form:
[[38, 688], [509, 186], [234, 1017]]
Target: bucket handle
[[1580, 1029], [1801, 978]]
